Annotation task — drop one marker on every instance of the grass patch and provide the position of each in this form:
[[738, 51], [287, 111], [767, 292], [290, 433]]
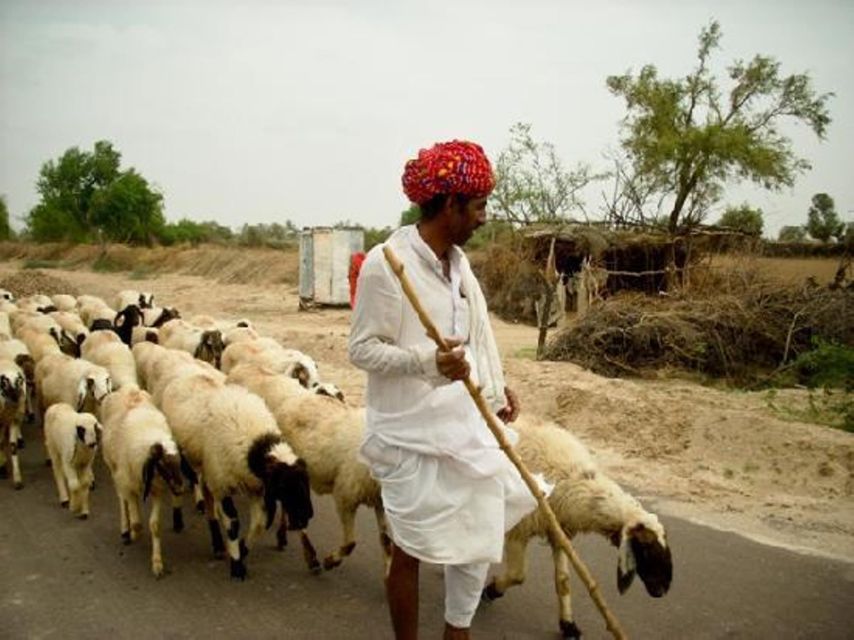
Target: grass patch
[[526, 353], [828, 407], [142, 273], [34, 263], [106, 264]]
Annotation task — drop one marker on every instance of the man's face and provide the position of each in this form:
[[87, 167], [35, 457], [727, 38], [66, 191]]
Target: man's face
[[465, 220]]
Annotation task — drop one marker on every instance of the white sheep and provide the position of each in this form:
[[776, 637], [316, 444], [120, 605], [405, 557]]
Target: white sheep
[[143, 333], [584, 500], [71, 439], [64, 302], [106, 349], [204, 344], [13, 394], [72, 325], [78, 383], [38, 344], [271, 354], [5, 326], [230, 435], [239, 334], [156, 317], [92, 310], [327, 434], [128, 297], [143, 459], [17, 351]]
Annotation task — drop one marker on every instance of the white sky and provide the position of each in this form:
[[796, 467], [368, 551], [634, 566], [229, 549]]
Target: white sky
[[263, 111]]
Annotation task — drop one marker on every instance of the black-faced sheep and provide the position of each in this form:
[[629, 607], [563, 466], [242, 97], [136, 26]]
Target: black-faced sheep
[[584, 500], [71, 439], [204, 344], [327, 434], [143, 459], [230, 435]]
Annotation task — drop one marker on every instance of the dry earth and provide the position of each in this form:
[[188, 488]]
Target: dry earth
[[723, 458]]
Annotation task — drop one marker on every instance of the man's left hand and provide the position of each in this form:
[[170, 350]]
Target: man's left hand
[[510, 411]]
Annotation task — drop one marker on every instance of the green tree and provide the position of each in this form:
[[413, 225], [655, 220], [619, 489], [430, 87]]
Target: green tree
[[689, 137], [743, 218], [822, 220], [5, 229], [532, 184], [410, 216], [794, 233], [85, 196]]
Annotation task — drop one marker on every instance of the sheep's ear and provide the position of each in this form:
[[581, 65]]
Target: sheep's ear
[[626, 562], [81, 394], [81, 433], [99, 432], [154, 455], [300, 373]]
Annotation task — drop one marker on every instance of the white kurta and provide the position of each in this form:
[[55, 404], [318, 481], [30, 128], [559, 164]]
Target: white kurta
[[449, 492]]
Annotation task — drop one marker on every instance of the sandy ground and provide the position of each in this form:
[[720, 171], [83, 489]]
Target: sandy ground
[[723, 458]]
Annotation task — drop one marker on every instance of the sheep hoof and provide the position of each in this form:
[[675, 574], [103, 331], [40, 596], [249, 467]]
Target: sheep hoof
[[330, 562], [238, 570], [92, 486], [4, 472], [64, 504], [200, 507], [125, 537], [157, 570], [490, 593], [83, 516], [569, 630], [281, 540], [21, 444], [177, 520], [48, 462], [19, 485]]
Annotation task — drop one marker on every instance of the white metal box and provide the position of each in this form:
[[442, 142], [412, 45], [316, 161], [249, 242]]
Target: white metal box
[[324, 264]]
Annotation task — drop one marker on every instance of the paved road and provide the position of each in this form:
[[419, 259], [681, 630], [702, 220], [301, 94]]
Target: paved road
[[64, 578]]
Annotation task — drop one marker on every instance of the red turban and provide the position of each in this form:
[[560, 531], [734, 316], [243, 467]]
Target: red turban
[[448, 168]]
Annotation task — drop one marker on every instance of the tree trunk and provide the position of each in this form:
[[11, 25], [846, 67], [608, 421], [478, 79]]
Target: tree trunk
[[545, 316]]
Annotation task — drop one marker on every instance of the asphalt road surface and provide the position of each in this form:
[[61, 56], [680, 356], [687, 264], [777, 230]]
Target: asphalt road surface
[[65, 578]]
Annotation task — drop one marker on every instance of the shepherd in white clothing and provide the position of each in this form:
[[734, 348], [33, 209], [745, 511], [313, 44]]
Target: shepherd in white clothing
[[448, 491]]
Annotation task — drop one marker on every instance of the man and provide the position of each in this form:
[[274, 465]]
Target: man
[[449, 493]]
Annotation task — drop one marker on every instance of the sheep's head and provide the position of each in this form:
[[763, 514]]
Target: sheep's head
[[210, 348], [92, 390], [166, 464], [643, 549], [126, 320], [88, 431], [28, 366], [166, 314], [328, 389], [285, 479], [304, 371], [12, 387]]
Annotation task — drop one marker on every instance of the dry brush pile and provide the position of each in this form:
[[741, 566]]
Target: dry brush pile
[[744, 335]]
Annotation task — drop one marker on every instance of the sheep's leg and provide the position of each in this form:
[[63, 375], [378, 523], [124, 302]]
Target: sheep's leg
[[515, 564], [178, 513], [237, 550], [567, 626], [385, 539], [61, 486], [154, 528], [10, 451], [134, 517], [199, 495], [257, 520], [124, 518], [309, 553], [87, 481], [282, 531], [217, 542], [347, 516]]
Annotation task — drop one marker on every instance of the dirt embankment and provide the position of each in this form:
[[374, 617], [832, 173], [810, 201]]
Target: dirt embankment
[[732, 459]]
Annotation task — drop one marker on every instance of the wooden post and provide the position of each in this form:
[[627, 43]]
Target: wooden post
[[556, 530]]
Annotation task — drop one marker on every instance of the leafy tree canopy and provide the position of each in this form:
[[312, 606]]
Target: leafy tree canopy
[[5, 229], [794, 233], [532, 184], [689, 136], [822, 220], [85, 196], [743, 218]]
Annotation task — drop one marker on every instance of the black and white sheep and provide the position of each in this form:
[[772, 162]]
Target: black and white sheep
[[106, 349], [230, 435], [204, 344], [584, 500], [13, 394], [143, 459], [327, 434], [71, 439]]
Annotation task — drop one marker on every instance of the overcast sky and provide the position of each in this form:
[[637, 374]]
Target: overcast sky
[[261, 111]]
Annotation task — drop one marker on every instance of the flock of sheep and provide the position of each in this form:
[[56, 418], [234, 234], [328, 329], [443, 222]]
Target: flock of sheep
[[213, 407]]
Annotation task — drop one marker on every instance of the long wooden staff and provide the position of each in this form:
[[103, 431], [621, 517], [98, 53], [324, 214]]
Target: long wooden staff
[[492, 422]]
